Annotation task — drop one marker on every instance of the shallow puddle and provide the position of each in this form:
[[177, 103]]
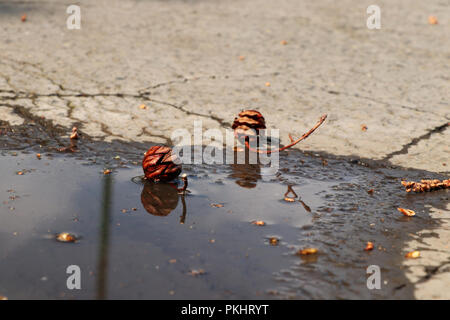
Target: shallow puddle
[[141, 240]]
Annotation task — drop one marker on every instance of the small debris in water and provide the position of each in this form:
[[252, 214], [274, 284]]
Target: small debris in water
[[38, 155], [307, 251], [23, 18], [407, 212], [107, 171], [371, 191], [259, 223], [124, 210], [413, 255], [172, 261], [216, 205], [197, 272], [66, 237], [274, 241], [369, 246], [143, 107], [3, 298], [212, 241], [20, 173]]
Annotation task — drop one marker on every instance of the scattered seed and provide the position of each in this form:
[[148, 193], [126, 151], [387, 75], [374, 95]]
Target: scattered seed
[[242, 58], [143, 107], [38, 155], [259, 223], [289, 199], [283, 42], [413, 255], [407, 212], [267, 84], [364, 127], [66, 237], [369, 246], [307, 251], [432, 20]]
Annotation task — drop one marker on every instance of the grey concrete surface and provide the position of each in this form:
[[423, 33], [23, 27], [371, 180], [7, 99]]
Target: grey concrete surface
[[189, 60]]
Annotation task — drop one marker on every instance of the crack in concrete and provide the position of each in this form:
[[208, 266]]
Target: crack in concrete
[[415, 141]]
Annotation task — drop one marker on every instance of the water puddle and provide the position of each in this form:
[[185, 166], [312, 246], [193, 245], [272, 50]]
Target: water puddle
[[141, 240]]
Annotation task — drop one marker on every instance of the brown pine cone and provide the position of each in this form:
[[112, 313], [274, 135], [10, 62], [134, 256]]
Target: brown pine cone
[[248, 123], [159, 164], [159, 199]]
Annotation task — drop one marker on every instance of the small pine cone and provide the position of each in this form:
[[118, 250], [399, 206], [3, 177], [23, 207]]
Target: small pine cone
[[248, 123], [159, 164]]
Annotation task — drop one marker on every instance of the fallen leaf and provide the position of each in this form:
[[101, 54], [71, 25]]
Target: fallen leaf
[[407, 212], [307, 251], [432, 20], [259, 223], [413, 255], [66, 237], [369, 246]]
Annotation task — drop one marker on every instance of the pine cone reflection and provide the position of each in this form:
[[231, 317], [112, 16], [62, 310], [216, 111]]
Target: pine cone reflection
[[246, 175], [159, 199]]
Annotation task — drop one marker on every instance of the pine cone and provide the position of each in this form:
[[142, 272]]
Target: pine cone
[[248, 123], [159, 199], [159, 164]]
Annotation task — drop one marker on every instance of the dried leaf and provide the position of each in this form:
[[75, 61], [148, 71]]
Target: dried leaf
[[259, 223], [66, 237], [413, 254], [369, 246], [407, 212], [307, 251]]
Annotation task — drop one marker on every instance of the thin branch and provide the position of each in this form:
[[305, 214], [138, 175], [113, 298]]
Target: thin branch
[[293, 143]]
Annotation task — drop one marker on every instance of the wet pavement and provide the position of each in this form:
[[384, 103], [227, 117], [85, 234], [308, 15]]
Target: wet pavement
[[139, 240]]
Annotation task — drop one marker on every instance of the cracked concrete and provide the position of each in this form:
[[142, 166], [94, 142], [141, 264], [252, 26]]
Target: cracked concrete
[[207, 60]]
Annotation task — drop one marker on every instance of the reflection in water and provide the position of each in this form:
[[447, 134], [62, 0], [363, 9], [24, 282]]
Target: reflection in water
[[104, 237], [160, 199], [293, 196], [246, 175]]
